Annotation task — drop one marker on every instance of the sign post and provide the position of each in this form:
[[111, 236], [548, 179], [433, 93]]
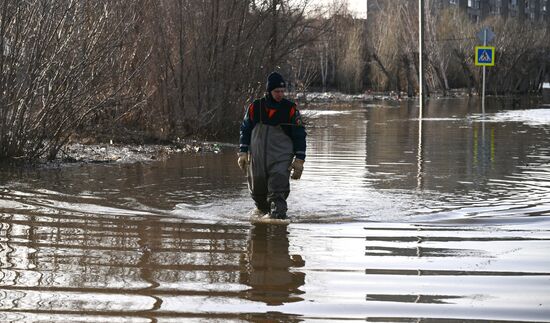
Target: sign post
[[484, 56], [420, 56]]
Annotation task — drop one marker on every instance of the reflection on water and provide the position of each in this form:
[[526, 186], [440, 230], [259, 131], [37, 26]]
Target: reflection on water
[[126, 267], [395, 219], [448, 272], [380, 162], [267, 266]]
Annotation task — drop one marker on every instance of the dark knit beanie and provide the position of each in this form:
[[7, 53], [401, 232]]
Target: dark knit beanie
[[274, 80]]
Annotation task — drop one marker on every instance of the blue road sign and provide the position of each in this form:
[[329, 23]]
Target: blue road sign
[[485, 56]]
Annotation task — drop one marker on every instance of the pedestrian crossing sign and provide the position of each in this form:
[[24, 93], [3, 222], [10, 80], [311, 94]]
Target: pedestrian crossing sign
[[485, 56]]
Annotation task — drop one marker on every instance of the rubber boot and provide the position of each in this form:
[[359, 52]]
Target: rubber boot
[[262, 206], [278, 209]]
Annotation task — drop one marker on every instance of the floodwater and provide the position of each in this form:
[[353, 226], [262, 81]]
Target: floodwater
[[396, 218]]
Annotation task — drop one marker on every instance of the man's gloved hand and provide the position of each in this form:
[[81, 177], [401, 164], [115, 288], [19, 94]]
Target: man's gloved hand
[[297, 167], [243, 161]]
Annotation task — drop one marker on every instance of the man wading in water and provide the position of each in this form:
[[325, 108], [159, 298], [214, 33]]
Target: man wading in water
[[272, 135]]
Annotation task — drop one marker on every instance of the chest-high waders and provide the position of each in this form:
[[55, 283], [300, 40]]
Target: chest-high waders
[[271, 153]]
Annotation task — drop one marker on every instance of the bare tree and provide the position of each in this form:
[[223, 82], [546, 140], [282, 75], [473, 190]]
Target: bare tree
[[521, 48], [323, 63], [56, 69], [352, 61], [522, 52], [393, 43], [215, 56], [437, 52]]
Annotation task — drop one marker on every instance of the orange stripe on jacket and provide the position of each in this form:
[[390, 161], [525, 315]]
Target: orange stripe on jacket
[[251, 112], [271, 112]]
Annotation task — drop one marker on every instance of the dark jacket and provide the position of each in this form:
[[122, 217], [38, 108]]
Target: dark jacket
[[270, 112]]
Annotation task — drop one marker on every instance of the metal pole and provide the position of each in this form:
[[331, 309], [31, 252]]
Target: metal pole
[[420, 161], [484, 67], [420, 56]]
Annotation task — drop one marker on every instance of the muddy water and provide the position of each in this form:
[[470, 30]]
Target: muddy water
[[395, 219]]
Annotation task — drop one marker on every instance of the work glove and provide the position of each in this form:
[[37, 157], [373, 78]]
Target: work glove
[[297, 167], [243, 161]]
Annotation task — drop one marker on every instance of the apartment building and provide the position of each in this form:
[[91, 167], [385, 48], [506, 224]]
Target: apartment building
[[534, 10]]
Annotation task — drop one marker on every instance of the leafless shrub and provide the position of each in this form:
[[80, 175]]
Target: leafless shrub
[[340, 52], [522, 49], [56, 69], [180, 68], [393, 45], [456, 38], [211, 57], [522, 53], [170, 68], [352, 61]]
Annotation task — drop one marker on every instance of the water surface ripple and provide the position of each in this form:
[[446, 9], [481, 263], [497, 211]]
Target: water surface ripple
[[444, 218]]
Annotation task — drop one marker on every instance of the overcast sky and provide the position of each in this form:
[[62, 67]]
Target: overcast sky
[[359, 7]]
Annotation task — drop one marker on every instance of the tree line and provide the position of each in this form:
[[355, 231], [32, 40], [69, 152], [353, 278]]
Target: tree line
[[168, 69], [522, 50]]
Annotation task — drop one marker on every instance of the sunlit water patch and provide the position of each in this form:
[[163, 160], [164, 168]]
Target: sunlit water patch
[[531, 117]]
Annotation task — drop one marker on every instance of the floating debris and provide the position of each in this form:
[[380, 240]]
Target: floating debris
[[120, 153]]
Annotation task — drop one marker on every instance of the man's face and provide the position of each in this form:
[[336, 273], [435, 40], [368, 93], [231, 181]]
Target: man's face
[[278, 94]]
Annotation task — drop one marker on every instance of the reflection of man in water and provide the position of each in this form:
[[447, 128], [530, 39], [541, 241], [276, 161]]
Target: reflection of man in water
[[266, 267]]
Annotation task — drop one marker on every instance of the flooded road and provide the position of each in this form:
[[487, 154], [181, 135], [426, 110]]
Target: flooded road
[[396, 218]]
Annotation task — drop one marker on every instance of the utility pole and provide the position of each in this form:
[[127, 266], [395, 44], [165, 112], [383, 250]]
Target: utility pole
[[421, 56], [420, 159]]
